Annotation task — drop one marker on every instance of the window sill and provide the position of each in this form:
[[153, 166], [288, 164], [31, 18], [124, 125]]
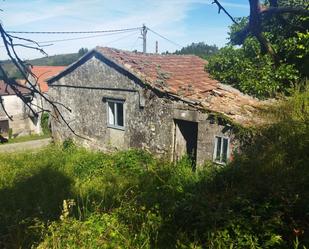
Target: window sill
[[219, 163], [121, 128]]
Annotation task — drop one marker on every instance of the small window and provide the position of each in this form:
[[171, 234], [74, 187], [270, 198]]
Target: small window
[[115, 113], [221, 150]]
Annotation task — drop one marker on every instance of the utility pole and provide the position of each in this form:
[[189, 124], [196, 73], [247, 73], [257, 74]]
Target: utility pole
[[157, 47], [144, 33]]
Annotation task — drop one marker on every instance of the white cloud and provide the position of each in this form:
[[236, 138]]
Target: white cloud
[[168, 17]]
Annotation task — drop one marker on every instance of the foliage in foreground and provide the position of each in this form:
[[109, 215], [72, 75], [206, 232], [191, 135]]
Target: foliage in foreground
[[67, 197]]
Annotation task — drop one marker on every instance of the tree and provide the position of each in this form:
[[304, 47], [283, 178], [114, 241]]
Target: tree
[[249, 71], [82, 51], [253, 68], [200, 49], [260, 15]]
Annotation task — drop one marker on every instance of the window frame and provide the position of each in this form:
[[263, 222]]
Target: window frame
[[115, 102], [220, 161]]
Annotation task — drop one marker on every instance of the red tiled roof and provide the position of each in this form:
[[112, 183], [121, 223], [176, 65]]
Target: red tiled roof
[[6, 89], [185, 76], [178, 74], [43, 73]]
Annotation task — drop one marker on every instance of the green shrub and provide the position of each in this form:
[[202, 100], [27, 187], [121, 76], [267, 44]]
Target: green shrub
[[10, 133], [97, 231], [45, 123]]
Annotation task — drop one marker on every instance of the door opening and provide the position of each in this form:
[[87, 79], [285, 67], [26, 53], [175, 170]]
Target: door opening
[[185, 140]]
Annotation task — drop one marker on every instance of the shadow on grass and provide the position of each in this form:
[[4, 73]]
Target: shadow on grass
[[26, 207]]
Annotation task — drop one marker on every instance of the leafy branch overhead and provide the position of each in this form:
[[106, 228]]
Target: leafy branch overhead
[[259, 14], [264, 70]]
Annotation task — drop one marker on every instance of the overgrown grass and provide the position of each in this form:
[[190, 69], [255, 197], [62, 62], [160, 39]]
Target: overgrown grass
[[67, 197], [26, 138]]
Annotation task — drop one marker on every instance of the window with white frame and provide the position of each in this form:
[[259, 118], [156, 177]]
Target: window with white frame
[[115, 113], [221, 150]]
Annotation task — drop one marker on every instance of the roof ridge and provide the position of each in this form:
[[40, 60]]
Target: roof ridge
[[46, 66], [98, 48]]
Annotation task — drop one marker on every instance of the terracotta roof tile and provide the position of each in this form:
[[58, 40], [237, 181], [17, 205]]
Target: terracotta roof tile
[[168, 72], [6, 89], [43, 73], [186, 77]]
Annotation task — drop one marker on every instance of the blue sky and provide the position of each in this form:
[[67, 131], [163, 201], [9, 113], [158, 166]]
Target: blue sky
[[182, 21]]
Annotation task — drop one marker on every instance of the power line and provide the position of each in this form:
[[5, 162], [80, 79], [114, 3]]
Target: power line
[[42, 43], [121, 38], [134, 44], [143, 30], [83, 37], [175, 43], [73, 32]]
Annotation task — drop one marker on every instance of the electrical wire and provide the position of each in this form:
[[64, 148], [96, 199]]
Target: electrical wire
[[134, 44], [106, 33], [73, 32], [83, 37], [42, 43], [121, 38], [90, 32], [156, 33]]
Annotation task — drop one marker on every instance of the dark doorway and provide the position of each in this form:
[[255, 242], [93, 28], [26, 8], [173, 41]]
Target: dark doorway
[[4, 128], [185, 141]]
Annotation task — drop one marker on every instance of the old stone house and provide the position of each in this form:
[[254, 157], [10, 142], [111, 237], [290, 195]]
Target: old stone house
[[166, 104]]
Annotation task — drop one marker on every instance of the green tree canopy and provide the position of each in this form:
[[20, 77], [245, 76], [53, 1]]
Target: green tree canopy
[[253, 71], [200, 49]]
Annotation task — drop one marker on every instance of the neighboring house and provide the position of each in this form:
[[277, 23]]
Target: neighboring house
[[42, 73], [38, 79], [166, 104], [22, 120]]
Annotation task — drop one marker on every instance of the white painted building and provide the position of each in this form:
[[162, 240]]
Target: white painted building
[[15, 115]]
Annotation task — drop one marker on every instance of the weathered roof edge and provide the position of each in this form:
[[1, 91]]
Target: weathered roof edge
[[119, 68], [85, 58], [71, 67]]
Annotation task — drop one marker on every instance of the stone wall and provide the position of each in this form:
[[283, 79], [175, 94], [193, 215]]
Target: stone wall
[[149, 116]]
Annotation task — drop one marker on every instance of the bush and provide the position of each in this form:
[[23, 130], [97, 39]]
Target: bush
[[45, 123], [10, 133]]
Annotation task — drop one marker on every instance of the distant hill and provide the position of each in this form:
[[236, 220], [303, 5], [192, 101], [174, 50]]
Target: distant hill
[[55, 60], [200, 49]]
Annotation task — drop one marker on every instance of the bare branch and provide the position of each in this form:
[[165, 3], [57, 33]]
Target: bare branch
[[24, 69], [255, 27], [23, 39], [31, 47], [220, 7], [3, 108]]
